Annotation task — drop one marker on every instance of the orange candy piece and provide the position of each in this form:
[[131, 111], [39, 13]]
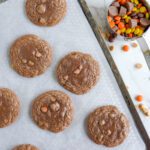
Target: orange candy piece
[[112, 24], [125, 48], [139, 5], [117, 22], [118, 18], [130, 35], [123, 2], [109, 18], [121, 25], [139, 98]]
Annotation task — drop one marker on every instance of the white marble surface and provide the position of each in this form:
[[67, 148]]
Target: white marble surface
[[138, 81]]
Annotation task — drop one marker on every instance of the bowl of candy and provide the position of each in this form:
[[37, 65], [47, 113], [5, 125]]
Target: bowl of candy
[[128, 19]]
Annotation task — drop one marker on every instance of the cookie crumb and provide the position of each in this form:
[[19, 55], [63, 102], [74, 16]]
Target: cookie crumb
[[134, 45], [144, 109], [138, 66], [111, 48]]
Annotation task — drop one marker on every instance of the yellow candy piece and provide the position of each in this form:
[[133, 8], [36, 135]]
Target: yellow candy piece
[[123, 30], [132, 30], [143, 9], [136, 2], [140, 33], [132, 1], [137, 11], [147, 15], [124, 17], [136, 32], [134, 9], [127, 20], [128, 31]]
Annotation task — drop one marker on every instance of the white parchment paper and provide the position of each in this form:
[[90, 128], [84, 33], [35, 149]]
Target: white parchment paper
[[73, 33]]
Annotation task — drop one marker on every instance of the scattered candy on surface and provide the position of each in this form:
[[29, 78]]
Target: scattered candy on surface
[[139, 98], [138, 66], [111, 48], [144, 109], [125, 48], [134, 45]]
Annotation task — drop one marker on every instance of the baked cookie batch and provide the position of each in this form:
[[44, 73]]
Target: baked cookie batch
[[77, 72]]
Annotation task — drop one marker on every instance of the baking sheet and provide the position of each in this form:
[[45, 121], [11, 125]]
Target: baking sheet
[[73, 33]]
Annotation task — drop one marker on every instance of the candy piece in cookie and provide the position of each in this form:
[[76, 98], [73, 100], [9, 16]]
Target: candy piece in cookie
[[46, 12], [78, 72], [108, 126], [52, 111], [30, 56]]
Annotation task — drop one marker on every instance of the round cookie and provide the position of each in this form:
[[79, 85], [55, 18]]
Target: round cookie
[[30, 56], [78, 72], [25, 147], [108, 126], [9, 107], [52, 111], [46, 12]]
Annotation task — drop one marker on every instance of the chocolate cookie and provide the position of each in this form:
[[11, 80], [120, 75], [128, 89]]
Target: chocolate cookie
[[108, 126], [25, 147], [46, 12], [52, 111], [9, 107], [78, 72], [30, 56]]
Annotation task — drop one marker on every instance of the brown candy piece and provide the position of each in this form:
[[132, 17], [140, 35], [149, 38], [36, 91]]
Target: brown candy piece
[[133, 23], [140, 15], [123, 11], [112, 37], [129, 6], [144, 22], [113, 11], [116, 4], [115, 28]]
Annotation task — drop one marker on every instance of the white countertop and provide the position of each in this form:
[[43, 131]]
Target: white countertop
[[138, 81]]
